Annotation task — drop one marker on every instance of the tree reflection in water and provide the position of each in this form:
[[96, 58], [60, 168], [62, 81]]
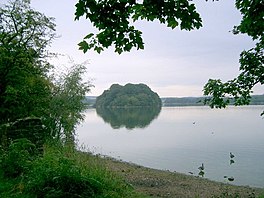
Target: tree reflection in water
[[130, 118]]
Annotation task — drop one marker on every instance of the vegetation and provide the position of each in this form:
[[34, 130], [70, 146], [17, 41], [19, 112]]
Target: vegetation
[[185, 101], [60, 172], [28, 89], [198, 101], [251, 61], [130, 95], [114, 20], [24, 86]]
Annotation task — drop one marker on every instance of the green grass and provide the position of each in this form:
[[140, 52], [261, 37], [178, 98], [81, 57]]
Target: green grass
[[60, 172]]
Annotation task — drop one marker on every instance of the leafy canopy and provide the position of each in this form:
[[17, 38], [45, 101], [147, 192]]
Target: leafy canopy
[[114, 20]]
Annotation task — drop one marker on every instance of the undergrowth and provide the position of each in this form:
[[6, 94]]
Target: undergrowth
[[59, 172]]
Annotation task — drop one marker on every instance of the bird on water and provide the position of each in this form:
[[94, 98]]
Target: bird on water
[[232, 155], [201, 167]]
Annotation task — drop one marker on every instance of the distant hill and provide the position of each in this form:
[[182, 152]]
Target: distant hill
[[198, 101], [257, 100], [186, 101]]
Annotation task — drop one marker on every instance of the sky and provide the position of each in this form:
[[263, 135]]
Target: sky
[[174, 63]]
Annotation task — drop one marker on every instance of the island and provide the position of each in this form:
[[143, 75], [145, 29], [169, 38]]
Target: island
[[128, 96]]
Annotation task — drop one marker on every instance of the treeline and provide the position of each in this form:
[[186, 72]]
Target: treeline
[[185, 101], [199, 101], [257, 100]]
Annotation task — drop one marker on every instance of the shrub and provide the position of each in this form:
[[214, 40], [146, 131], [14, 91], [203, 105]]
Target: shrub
[[17, 159], [58, 176], [65, 172], [60, 172]]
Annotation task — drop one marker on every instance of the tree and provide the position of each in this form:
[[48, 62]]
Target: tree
[[24, 86], [113, 19], [67, 102], [28, 91], [251, 61]]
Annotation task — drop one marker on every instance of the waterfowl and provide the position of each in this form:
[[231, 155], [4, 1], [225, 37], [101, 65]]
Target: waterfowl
[[231, 178], [232, 155], [201, 167]]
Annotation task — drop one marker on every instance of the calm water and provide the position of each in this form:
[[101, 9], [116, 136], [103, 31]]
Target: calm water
[[182, 138]]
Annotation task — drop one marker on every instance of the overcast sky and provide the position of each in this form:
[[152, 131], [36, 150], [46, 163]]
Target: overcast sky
[[173, 63]]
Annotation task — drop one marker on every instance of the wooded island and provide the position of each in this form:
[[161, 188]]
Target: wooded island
[[130, 95]]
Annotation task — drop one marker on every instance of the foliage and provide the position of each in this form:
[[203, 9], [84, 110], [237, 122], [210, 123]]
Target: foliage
[[66, 104], [27, 88], [251, 61], [24, 34], [30, 128], [65, 172], [114, 20], [56, 175], [18, 158], [130, 95], [184, 101]]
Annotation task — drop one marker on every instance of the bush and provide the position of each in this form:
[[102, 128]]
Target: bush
[[18, 158], [65, 172], [58, 176], [60, 172]]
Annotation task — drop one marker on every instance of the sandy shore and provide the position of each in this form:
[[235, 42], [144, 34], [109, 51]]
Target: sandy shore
[[158, 183]]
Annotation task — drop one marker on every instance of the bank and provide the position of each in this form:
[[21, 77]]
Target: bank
[[158, 183]]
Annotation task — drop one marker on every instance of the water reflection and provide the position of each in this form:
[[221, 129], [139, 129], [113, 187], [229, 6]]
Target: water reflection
[[129, 118]]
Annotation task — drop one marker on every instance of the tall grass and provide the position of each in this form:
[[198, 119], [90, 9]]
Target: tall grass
[[60, 171]]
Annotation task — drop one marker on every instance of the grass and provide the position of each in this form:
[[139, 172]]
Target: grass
[[60, 171]]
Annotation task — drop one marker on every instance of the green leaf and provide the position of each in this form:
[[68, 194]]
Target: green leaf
[[79, 10], [173, 23], [119, 50], [84, 46], [89, 36], [98, 49]]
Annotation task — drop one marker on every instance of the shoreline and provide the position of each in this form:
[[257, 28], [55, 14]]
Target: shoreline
[[162, 183]]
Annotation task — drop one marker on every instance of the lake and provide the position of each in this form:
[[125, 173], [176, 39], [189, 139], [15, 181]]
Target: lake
[[181, 139]]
